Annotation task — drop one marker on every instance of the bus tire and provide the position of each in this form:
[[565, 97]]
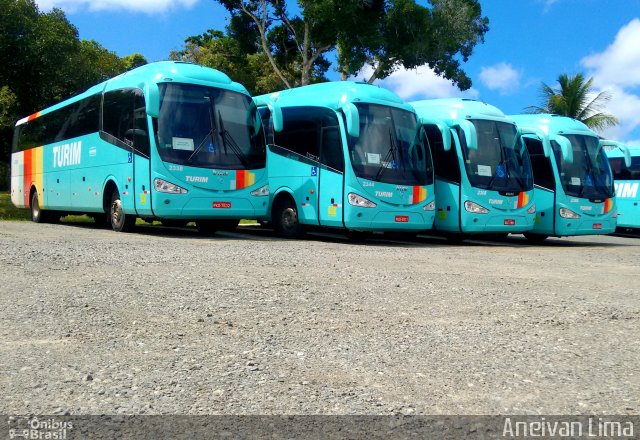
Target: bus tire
[[358, 236], [454, 238], [174, 223], [227, 225], [207, 227], [120, 222], [535, 238], [100, 219], [40, 216], [285, 219]]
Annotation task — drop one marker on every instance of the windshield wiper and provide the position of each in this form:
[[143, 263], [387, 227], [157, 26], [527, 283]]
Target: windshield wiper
[[200, 145], [210, 133], [390, 154], [227, 139]]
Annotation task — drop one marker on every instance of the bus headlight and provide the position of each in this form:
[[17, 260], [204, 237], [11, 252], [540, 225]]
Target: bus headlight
[[532, 209], [567, 213], [430, 207], [167, 187], [359, 201], [261, 192], [474, 208]]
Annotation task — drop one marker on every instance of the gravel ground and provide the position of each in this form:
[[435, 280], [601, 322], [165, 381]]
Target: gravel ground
[[163, 321]]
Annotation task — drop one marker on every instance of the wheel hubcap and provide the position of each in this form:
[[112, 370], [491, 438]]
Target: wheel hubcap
[[289, 218], [116, 212]]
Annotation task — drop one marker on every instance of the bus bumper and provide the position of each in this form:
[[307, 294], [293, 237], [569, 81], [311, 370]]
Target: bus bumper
[[213, 208], [400, 221], [503, 223], [585, 226]]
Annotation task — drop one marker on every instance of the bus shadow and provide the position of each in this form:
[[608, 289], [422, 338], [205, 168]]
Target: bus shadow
[[394, 240]]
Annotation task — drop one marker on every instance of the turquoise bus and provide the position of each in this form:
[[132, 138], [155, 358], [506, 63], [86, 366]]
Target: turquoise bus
[[349, 156], [626, 175], [169, 141], [574, 191], [483, 177]]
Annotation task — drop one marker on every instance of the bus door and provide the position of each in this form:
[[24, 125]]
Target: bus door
[[544, 190], [331, 175], [447, 179], [141, 158]]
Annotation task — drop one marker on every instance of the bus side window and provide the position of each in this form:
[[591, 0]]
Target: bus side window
[[117, 117], [140, 126], [265, 115], [331, 151], [445, 162], [541, 165], [300, 133]]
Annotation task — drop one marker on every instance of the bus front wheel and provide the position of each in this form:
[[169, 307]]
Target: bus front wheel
[[286, 220], [40, 216], [535, 238], [120, 222]]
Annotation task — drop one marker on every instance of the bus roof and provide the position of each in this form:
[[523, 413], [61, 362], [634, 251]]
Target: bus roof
[[552, 124], [458, 108], [158, 72], [334, 95]]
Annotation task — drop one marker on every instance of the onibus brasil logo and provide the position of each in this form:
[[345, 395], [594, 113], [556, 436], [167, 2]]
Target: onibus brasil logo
[[38, 429]]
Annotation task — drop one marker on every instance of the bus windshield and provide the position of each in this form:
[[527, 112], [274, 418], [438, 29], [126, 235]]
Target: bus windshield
[[589, 175], [209, 128], [390, 147], [500, 163]]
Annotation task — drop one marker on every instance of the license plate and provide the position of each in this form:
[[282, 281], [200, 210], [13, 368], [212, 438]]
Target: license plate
[[597, 226], [402, 219], [222, 205], [509, 222]]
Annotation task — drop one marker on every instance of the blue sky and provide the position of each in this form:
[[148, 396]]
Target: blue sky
[[529, 41]]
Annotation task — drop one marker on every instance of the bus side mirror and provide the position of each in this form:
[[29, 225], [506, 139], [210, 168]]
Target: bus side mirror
[[276, 117], [627, 155], [152, 99], [469, 131], [444, 130], [352, 118], [565, 147], [538, 137]]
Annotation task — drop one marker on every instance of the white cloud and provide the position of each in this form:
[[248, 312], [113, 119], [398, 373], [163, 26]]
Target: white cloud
[[617, 69], [146, 6], [548, 3], [501, 77], [420, 83], [619, 64]]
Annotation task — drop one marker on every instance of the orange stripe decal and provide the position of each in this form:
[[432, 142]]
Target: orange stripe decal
[[419, 194], [33, 116], [28, 165], [523, 200]]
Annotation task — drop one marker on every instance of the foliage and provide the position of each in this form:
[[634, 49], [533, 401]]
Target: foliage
[[42, 61], [576, 98], [383, 34], [134, 60]]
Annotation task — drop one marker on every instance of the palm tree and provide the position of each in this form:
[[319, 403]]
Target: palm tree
[[576, 99]]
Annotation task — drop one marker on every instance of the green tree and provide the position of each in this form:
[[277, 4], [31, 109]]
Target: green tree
[[383, 34], [576, 98], [42, 61], [134, 60]]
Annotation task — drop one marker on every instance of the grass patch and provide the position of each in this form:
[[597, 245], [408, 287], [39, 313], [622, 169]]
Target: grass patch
[[10, 212]]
